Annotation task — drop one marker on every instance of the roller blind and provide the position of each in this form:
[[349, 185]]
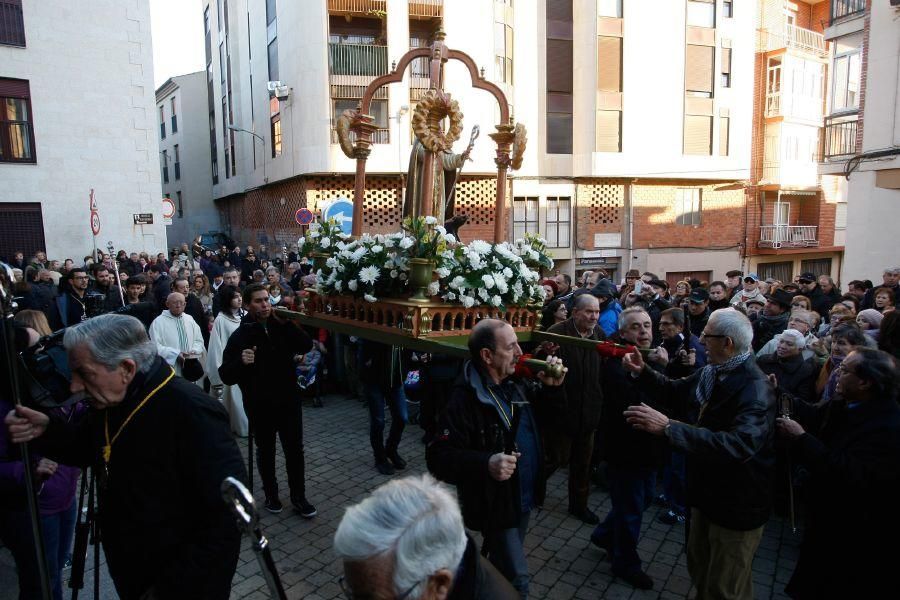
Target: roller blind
[[698, 68], [724, 124], [726, 60], [559, 65], [697, 135], [609, 64], [609, 131]]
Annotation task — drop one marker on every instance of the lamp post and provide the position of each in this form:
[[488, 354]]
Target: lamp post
[[260, 138]]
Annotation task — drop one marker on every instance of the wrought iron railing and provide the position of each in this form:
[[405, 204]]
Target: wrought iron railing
[[379, 136], [787, 236], [426, 8], [845, 8], [357, 6], [840, 135], [357, 59]]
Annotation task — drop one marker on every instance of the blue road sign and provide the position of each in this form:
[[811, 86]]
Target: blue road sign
[[340, 210]]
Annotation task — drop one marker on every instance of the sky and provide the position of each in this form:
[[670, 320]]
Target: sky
[[177, 30]]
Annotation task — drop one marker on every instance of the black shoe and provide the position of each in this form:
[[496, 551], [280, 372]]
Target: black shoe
[[661, 500], [604, 544], [585, 515], [306, 510], [638, 579], [274, 505], [396, 460], [384, 467], [670, 518]]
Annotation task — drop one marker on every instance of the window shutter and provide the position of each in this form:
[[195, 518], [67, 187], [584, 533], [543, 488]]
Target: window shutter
[[559, 65], [14, 88], [726, 60], [609, 64], [724, 124], [697, 135], [609, 131], [698, 68]]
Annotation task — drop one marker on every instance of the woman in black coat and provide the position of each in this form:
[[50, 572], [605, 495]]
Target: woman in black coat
[[794, 377]]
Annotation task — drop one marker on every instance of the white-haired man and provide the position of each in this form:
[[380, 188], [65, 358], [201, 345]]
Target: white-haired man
[[179, 338], [160, 448], [800, 320], [407, 540], [726, 432]]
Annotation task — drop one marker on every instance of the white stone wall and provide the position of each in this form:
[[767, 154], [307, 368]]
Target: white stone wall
[[90, 68]]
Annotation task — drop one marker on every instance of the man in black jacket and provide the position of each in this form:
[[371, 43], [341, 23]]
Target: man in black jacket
[[382, 373], [261, 357], [697, 307], [773, 319], [728, 421], [497, 468], [570, 435], [162, 285], [160, 448], [193, 307]]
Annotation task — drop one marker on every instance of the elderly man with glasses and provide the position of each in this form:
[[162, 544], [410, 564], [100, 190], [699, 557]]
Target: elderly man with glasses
[[726, 424]]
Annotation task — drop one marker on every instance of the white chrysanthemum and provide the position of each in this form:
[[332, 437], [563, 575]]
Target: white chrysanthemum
[[483, 294], [300, 241], [377, 248], [475, 260], [518, 290], [468, 301], [433, 288], [502, 286], [406, 243], [480, 246], [369, 298], [353, 285], [314, 233], [458, 282], [338, 284], [402, 277], [345, 253], [369, 274], [326, 242], [495, 300], [331, 263], [340, 245], [442, 272], [388, 242], [430, 220], [451, 239], [358, 254], [488, 281], [394, 274], [451, 296]]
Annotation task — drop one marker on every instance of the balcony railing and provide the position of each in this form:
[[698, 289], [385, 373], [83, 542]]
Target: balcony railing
[[357, 59], [798, 38], [426, 8], [773, 104], [787, 236], [380, 136], [359, 7], [845, 8], [840, 135]]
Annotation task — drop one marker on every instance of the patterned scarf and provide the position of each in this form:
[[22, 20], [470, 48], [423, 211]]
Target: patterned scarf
[[831, 386], [709, 373]]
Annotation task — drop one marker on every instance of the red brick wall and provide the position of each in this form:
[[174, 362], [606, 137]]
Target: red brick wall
[[600, 209], [821, 15]]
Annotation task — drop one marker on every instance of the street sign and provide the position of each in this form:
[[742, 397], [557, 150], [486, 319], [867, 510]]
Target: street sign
[[143, 218], [93, 202], [303, 216], [342, 211], [95, 222], [168, 210]]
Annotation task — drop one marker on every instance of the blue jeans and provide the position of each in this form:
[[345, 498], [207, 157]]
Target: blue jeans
[[57, 529], [673, 482], [396, 401], [631, 490], [506, 551]]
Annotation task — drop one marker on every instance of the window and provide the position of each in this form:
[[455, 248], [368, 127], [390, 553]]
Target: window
[[174, 117], [179, 204], [276, 135], [698, 70], [222, 62], [846, 70], [724, 125], [819, 266], [177, 164], [687, 206], [609, 64], [503, 47], [725, 79], [12, 23], [16, 124], [698, 134], [779, 271], [609, 131], [727, 9], [270, 11], [559, 221], [165, 165], [701, 13], [609, 8], [525, 216], [162, 122], [272, 39], [559, 76]]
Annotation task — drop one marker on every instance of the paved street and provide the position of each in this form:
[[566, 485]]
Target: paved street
[[563, 562]]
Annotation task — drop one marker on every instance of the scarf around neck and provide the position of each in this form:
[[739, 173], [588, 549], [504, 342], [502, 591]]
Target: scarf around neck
[[709, 373]]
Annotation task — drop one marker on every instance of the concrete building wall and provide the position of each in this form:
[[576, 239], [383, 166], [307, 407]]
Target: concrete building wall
[[90, 71]]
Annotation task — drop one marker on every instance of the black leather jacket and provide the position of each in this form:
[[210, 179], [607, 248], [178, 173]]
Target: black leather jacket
[[728, 443]]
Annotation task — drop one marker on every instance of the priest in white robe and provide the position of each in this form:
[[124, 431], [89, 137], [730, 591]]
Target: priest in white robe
[[177, 335]]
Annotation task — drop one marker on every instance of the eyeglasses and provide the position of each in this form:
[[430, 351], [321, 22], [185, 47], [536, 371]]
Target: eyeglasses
[[349, 593]]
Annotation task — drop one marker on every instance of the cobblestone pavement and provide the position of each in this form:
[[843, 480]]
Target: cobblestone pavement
[[562, 561]]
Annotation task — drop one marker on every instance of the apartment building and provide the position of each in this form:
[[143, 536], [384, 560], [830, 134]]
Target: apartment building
[[791, 216], [184, 157], [77, 87], [861, 147], [638, 157]]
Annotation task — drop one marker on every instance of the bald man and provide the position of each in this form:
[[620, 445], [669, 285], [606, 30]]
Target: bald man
[[177, 335]]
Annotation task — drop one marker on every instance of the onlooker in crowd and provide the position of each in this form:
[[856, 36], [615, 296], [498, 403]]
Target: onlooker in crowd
[[70, 308], [697, 305], [829, 289], [193, 307], [883, 299], [569, 433], [749, 291], [773, 319], [202, 291], [809, 286], [858, 289], [260, 357], [852, 452], [845, 338], [682, 291], [869, 321], [605, 292], [753, 307], [34, 319], [230, 276], [889, 334], [890, 279], [801, 301], [273, 277], [718, 296], [632, 456], [554, 312], [226, 323], [790, 372], [382, 373], [499, 479], [407, 540], [652, 293], [249, 267], [550, 290], [179, 339], [39, 293], [851, 302], [804, 322], [564, 289], [838, 314], [133, 265], [166, 532], [628, 287], [728, 409], [161, 285], [733, 280]]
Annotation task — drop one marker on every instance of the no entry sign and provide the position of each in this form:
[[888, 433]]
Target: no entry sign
[[303, 216]]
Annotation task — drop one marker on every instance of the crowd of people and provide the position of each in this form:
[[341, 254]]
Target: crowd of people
[[707, 395]]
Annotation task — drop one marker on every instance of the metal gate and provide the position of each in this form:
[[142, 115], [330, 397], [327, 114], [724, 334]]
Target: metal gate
[[21, 229]]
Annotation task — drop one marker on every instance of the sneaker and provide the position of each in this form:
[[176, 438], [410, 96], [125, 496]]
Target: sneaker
[[274, 505], [670, 518], [585, 515], [306, 510], [397, 461], [638, 579], [384, 467]]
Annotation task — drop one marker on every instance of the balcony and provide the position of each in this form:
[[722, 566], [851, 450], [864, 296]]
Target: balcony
[[798, 38], [365, 60], [845, 8], [379, 136], [356, 7], [840, 135], [787, 236], [426, 9]]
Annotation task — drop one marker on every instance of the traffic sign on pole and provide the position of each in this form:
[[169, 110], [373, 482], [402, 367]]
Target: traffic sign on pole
[[303, 216], [340, 210], [95, 222]]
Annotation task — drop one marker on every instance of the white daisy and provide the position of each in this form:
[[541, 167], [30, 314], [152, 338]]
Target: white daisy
[[369, 274]]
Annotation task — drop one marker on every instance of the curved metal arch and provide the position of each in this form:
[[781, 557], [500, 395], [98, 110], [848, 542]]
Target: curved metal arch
[[481, 83], [395, 76]]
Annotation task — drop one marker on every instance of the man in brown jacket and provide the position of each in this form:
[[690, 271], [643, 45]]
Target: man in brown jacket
[[570, 433]]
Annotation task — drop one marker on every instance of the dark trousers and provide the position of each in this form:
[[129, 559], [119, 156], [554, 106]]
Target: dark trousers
[[396, 401], [506, 550], [631, 492], [281, 415], [574, 451]]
